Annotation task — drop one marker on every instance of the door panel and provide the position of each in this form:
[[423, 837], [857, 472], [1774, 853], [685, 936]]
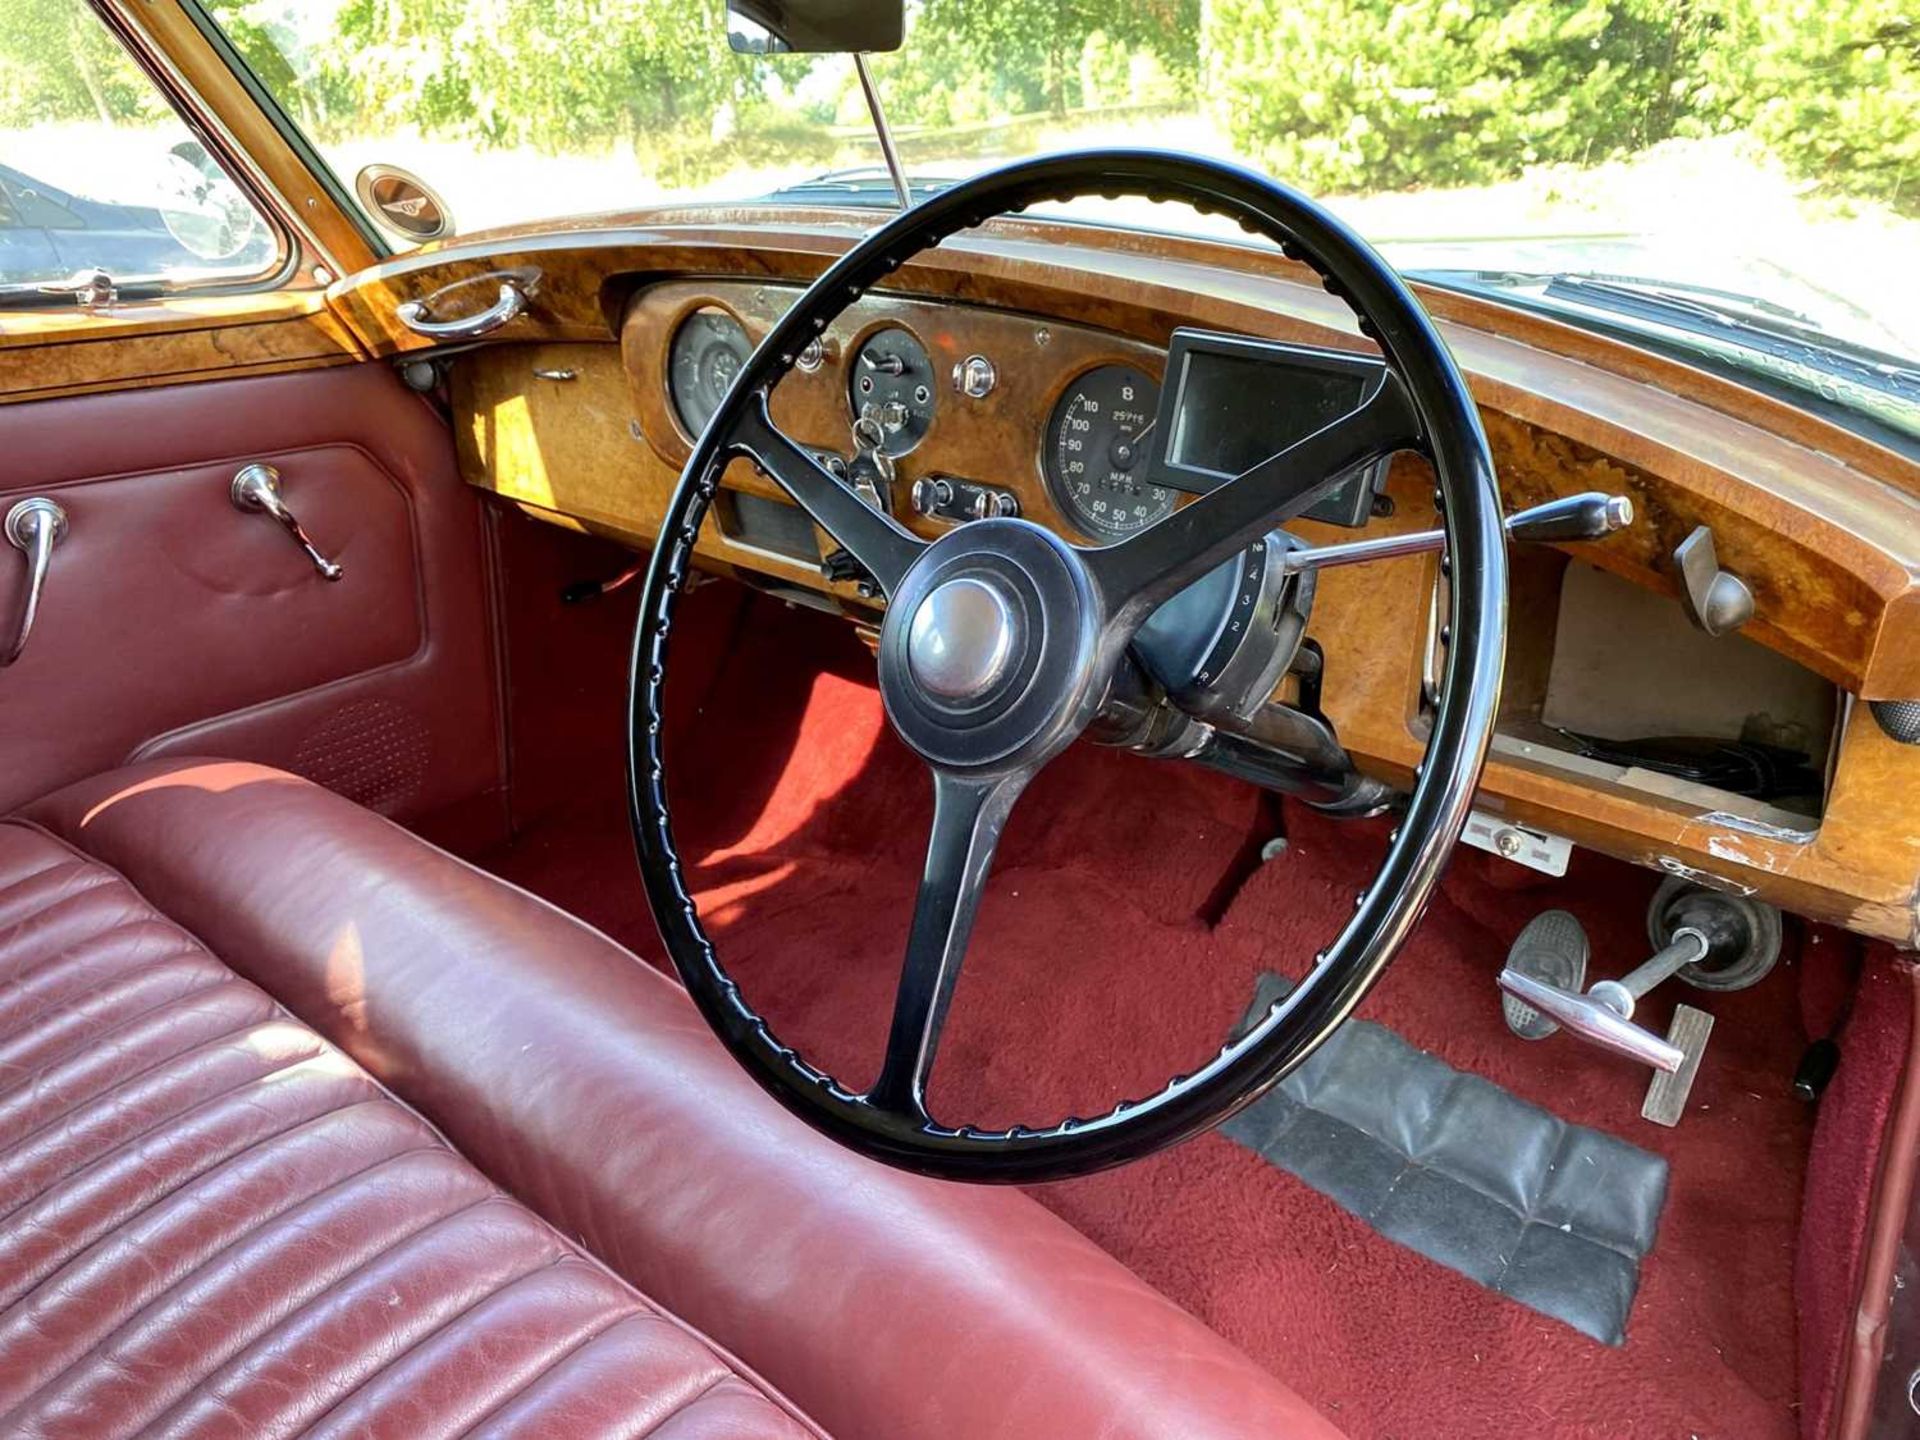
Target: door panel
[[174, 622]]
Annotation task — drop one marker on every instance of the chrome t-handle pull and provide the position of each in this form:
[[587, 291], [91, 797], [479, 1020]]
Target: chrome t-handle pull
[[1593, 1020]]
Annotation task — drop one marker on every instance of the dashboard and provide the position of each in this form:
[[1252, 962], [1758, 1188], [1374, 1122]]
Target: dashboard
[[1117, 451], [1093, 381]]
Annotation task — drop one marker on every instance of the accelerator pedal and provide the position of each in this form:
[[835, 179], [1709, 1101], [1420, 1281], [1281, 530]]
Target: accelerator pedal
[[1667, 1092]]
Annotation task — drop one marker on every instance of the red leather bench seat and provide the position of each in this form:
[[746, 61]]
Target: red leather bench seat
[[212, 1222], [216, 1223]]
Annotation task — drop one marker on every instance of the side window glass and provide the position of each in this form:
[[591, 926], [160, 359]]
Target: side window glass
[[99, 173]]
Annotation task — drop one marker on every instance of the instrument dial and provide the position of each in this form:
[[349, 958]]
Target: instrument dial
[[1098, 442], [708, 351]]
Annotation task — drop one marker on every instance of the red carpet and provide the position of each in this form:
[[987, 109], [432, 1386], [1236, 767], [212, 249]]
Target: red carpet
[[1127, 922]]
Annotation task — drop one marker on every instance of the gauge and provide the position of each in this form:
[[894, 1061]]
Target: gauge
[[1098, 442], [892, 380], [708, 351]]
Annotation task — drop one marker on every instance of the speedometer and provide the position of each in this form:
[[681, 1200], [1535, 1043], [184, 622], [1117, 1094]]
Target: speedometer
[[1097, 446]]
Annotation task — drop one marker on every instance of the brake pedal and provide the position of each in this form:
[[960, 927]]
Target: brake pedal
[[1553, 950]]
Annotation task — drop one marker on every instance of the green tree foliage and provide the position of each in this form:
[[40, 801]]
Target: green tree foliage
[[58, 62], [1389, 93], [1835, 89], [543, 72], [1033, 52], [1332, 94], [556, 75]]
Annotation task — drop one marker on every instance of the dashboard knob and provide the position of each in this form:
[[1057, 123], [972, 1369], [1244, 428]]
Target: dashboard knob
[[1717, 601], [975, 377], [932, 495]]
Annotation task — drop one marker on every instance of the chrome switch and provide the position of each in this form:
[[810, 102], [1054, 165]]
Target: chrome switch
[[975, 377]]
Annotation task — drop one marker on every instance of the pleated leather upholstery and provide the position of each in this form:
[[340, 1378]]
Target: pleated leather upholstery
[[213, 1223]]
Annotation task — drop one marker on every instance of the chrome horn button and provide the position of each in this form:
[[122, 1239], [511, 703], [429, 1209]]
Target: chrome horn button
[[987, 652], [961, 640]]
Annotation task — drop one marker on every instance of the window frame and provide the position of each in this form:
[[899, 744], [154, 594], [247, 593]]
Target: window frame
[[289, 130]]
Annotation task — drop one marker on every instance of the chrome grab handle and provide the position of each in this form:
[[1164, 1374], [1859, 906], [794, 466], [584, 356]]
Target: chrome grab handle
[[257, 488], [33, 526], [510, 306]]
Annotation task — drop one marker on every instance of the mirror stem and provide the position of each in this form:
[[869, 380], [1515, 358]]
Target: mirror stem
[[891, 155]]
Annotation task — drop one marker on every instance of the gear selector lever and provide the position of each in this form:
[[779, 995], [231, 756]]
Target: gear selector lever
[[1590, 516]]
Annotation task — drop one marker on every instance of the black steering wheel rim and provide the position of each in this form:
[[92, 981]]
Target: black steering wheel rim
[[894, 1127]]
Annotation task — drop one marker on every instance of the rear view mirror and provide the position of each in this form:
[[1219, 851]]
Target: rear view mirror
[[814, 27]]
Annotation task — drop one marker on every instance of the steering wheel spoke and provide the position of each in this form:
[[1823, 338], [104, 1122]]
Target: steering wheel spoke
[[876, 540], [969, 815], [1138, 574]]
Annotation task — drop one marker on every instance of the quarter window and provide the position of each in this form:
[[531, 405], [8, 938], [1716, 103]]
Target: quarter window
[[98, 172]]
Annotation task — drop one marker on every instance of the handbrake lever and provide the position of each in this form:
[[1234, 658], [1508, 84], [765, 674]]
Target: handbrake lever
[[1593, 515], [1593, 1019], [1604, 1014]]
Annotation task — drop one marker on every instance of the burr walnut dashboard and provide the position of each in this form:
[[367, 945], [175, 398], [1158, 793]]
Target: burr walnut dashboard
[[569, 412]]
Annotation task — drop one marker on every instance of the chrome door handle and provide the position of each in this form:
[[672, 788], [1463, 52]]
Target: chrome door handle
[[33, 526], [257, 487], [510, 306]]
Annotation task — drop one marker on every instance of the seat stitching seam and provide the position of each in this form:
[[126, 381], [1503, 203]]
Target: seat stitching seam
[[687, 1404], [71, 862], [73, 895], [88, 858], [135, 1076], [252, 1343], [283, 1011], [77, 951], [540, 904], [30, 875], [121, 1026], [130, 979], [172, 1117], [186, 1183], [551, 1364], [219, 1253], [445, 1326]]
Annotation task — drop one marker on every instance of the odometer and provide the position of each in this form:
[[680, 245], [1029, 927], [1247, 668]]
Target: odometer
[[1096, 453]]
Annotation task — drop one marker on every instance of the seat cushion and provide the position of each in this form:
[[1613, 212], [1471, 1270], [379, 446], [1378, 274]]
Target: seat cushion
[[214, 1223], [582, 1079]]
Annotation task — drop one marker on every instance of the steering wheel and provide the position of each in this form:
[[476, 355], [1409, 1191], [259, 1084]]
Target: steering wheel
[[999, 645]]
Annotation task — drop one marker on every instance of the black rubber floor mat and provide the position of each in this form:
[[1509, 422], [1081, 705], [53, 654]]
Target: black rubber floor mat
[[1555, 1216]]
